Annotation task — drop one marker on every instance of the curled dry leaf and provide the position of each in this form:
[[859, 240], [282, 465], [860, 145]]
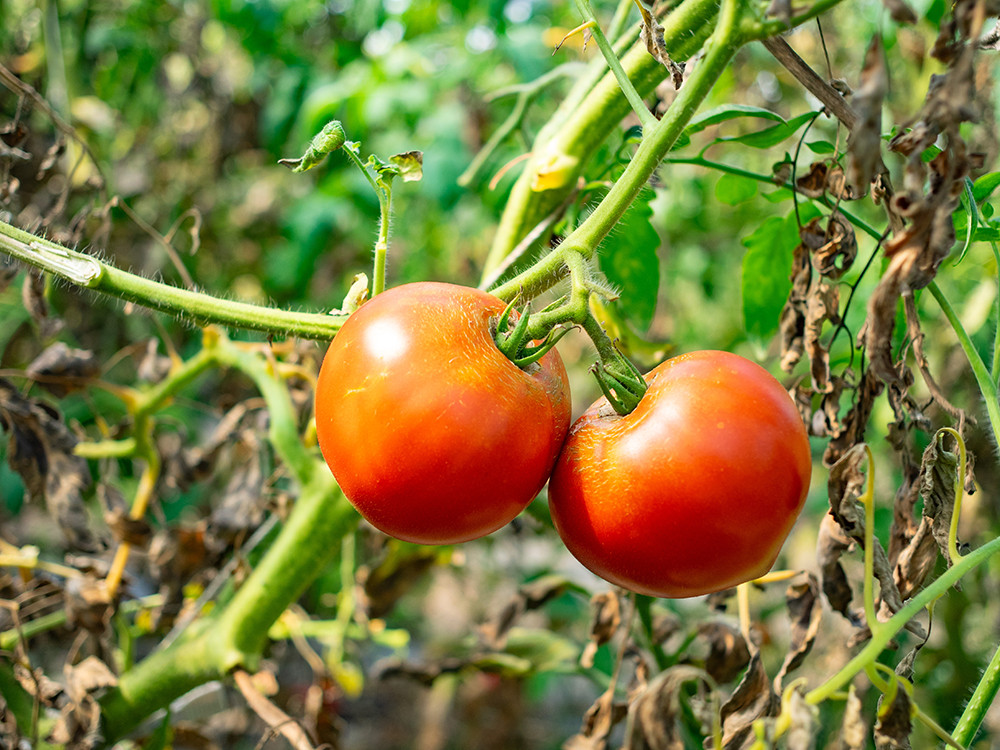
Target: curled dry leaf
[[728, 653], [603, 716], [864, 145], [853, 730], [652, 716], [606, 616], [938, 470], [753, 699], [40, 450], [651, 34], [844, 486], [830, 546], [804, 724], [61, 370], [529, 596], [241, 509], [804, 613], [856, 419], [892, 730], [393, 576], [33, 299]]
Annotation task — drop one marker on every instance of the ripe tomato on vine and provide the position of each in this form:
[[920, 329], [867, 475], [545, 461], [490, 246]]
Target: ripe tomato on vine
[[433, 434], [692, 492]]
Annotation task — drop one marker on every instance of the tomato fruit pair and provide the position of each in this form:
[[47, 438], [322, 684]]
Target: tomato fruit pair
[[695, 490], [432, 433]]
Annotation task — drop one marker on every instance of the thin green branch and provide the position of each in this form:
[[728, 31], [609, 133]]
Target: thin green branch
[[203, 309], [888, 630], [980, 702], [646, 118], [984, 380]]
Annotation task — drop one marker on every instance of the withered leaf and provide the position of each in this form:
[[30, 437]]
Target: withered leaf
[[606, 616], [88, 604], [61, 370], [600, 719], [813, 183], [393, 576], [856, 420], [530, 596], [853, 730], [804, 725], [753, 699], [242, 507], [830, 546], [938, 475], [652, 723], [900, 11], [728, 653], [33, 299], [864, 145], [804, 613], [892, 730], [79, 723], [651, 35], [844, 486], [134, 531], [40, 450], [153, 366]]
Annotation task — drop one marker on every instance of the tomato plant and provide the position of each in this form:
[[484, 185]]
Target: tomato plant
[[695, 490], [433, 434]]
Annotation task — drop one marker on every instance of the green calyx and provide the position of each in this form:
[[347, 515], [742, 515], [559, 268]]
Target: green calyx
[[621, 383], [512, 339]]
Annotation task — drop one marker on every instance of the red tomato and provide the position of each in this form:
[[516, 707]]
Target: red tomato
[[433, 434], [695, 490]]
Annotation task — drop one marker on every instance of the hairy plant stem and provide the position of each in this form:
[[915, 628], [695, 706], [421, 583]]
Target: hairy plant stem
[[91, 273], [236, 636]]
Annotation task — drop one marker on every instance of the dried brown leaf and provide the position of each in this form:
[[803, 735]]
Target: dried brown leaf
[[864, 146], [856, 420], [892, 730], [804, 613], [243, 500], [651, 34], [605, 618], [33, 299], [853, 730], [653, 715], [753, 699], [530, 596], [396, 574], [61, 370], [728, 653], [40, 450], [938, 471], [600, 719], [830, 546]]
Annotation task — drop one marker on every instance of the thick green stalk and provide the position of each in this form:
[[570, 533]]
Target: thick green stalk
[[585, 119], [980, 702], [654, 147], [202, 309]]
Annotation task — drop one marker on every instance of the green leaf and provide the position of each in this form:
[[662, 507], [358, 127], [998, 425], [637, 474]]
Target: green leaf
[[983, 187], [767, 264], [729, 112], [821, 147], [772, 136], [733, 189], [628, 258]]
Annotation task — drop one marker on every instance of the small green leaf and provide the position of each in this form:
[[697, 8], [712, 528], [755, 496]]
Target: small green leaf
[[983, 187], [767, 264], [729, 112], [628, 258], [732, 189], [769, 137], [821, 147]]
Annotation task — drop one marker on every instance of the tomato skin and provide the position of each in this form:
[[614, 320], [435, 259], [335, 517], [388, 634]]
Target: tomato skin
[[432, 433], [695, 490]]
